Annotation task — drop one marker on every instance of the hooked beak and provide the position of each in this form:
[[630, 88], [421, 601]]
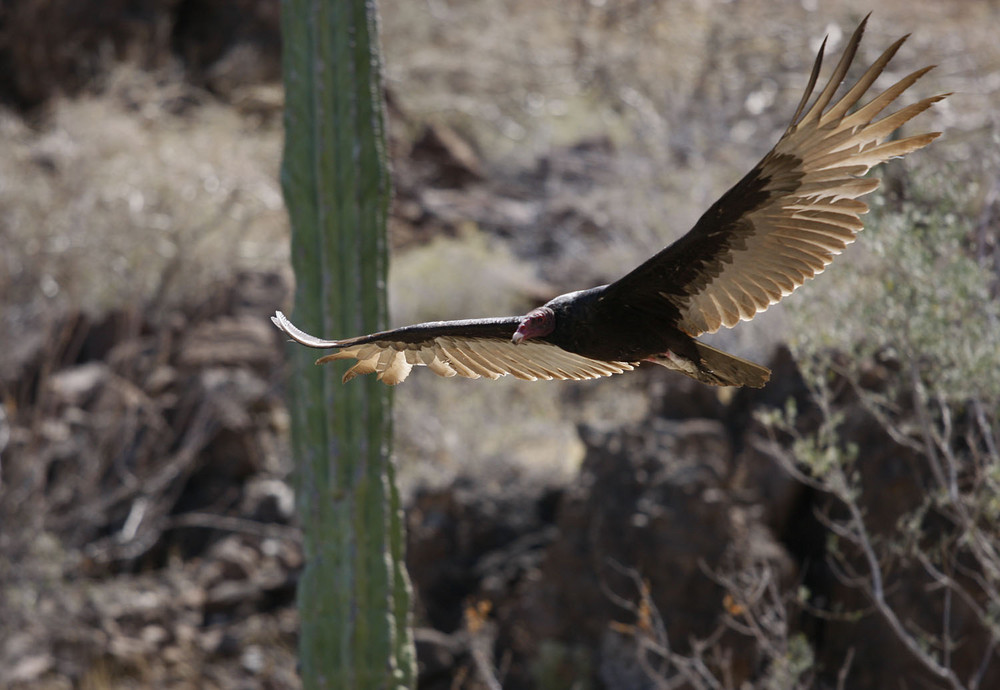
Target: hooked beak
[[518, 336]]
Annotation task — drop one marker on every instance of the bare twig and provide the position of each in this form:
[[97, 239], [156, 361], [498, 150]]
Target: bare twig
[[234, 524], [984, 664], [875, 589], [845, 669]]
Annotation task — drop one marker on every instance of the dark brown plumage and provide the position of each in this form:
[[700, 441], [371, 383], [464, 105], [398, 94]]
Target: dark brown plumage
[[777, 227]]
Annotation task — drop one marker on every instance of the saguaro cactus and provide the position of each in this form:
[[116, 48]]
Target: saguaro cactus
[[354, 595]]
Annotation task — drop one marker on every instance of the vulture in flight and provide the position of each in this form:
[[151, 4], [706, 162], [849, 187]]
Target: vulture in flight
[[777, 227]]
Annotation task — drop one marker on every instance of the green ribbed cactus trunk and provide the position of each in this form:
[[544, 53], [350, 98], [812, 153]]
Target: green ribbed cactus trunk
[[354, 595]]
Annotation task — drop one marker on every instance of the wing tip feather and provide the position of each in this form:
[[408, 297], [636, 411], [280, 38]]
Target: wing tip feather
[[827, 141]]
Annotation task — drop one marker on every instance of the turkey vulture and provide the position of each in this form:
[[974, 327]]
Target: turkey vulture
[[777, 227]]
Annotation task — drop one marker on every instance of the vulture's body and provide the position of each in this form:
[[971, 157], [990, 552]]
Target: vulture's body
[[776, 228]]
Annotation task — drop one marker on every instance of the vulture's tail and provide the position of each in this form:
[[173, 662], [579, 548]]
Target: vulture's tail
[[716, 367], [722, 369]]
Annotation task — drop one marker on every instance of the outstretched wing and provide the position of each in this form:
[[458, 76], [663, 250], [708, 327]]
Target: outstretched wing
[[471, 349], [786, 220]]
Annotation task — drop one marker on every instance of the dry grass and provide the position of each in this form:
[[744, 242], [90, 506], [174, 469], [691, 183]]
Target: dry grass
[[423, 280], [115, 199]]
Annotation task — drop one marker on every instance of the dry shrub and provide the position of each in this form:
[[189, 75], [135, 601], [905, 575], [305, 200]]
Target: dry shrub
[[910, 341], [118, 201]]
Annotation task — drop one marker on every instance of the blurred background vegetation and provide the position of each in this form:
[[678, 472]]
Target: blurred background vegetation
[[538, 148]]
